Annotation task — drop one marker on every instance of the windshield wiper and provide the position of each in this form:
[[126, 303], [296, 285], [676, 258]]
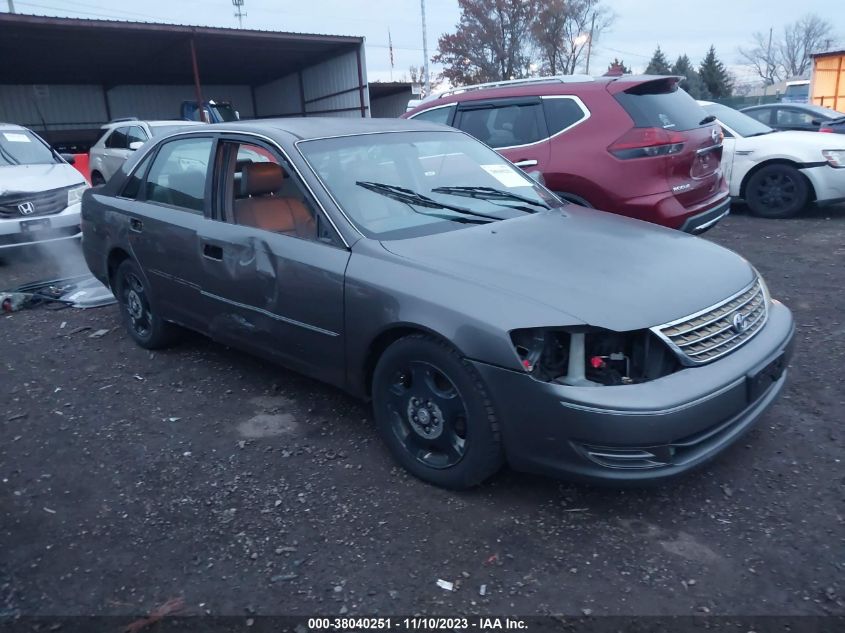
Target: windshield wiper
[[8, 156], [489, 193], [412, 197]]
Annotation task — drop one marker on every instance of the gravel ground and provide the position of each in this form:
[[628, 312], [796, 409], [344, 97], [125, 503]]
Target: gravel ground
[[130, 478]]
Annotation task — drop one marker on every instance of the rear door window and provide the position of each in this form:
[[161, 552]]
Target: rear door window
[[505, 125], [178, 174], [651, 105], [791, 117], [562, 113]]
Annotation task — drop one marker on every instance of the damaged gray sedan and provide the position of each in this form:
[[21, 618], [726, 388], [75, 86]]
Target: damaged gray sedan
[[409, 264]]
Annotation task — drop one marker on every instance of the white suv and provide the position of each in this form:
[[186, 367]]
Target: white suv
[[39, 190], [121, 137]]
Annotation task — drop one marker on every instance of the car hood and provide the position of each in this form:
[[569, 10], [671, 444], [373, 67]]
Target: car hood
[[794, 141], [36, 178], [602, 269]]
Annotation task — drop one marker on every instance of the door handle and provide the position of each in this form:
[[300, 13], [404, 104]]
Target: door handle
[[529, 162], [136, 225], [212, 251]]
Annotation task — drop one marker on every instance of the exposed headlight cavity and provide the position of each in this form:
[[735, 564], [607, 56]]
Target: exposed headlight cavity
[[592, 356]]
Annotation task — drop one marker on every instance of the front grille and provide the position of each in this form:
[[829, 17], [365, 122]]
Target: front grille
[[710, 334], [43, 203]]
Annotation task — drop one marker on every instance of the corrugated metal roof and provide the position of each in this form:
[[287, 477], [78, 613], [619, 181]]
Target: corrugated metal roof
[[841, 51], [188, 27], [50, 50]]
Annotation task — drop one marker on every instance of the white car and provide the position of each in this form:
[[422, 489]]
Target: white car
[[39, 191], [120, 138], [779, 173]]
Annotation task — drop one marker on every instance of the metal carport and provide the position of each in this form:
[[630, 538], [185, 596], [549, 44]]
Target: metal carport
[[61, 76]]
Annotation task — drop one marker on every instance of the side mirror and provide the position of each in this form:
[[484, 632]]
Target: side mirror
[[816, 122], [70, 159], [135, 145]]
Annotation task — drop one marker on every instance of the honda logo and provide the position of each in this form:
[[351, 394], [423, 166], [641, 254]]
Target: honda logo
[[26, 208]]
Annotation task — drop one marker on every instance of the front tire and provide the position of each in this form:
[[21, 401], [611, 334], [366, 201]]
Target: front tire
[[433, 412], [142, 322], [777, 191]]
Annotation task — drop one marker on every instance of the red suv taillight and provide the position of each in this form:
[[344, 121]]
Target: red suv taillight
[[644, 142], [826, 129]]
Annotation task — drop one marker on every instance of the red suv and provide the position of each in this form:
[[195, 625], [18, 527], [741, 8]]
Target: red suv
[[634, 145]]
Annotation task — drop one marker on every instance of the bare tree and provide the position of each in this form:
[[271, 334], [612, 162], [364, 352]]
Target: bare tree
[[762, 57], [800, 40], [563, 29], [491, 42], [778, 57]]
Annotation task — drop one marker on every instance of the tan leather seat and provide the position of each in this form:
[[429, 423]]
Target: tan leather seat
[[262, 209]]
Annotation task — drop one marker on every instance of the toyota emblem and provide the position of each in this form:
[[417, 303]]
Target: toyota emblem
[[739, 323], [26, 208]]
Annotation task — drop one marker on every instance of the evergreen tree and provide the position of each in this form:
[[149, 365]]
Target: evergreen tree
[[658, 65], [715, 76], [617, 68], [692, 82]]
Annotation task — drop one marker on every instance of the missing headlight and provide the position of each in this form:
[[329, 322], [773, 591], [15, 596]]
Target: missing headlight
[[592, 356]]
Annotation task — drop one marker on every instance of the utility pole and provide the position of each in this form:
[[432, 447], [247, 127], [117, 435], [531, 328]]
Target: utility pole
[[590, 42], [425, 51], [239, 12], [11, 6]]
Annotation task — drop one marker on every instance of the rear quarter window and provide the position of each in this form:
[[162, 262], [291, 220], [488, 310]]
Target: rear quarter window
[[562, 113], [652, 107]]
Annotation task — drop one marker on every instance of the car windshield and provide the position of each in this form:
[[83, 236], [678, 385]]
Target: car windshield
[[22, 147], [407, 184], [740, 123]]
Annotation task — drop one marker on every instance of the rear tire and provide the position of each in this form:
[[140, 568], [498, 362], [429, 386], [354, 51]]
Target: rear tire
[[433, 412], [137, 307], [777, 191]]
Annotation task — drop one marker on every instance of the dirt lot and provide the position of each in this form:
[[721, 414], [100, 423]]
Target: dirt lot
[[130, 477]]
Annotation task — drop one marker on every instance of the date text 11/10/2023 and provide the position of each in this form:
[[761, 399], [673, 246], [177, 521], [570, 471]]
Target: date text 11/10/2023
[[478, 623]]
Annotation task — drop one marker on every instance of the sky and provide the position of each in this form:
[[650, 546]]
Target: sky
[[678, 26]]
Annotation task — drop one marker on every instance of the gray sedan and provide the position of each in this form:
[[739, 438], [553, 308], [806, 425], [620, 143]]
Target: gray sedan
[[411, 265]]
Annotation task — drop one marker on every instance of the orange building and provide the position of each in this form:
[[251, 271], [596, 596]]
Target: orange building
[[827, 87]]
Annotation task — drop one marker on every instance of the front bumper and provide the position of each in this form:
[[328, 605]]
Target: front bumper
[[645, 432], [828, 183], [48, 228]]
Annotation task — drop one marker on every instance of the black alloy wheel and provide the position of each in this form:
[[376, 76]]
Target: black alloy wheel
[[777, 191], [145, 327], [433, 411]]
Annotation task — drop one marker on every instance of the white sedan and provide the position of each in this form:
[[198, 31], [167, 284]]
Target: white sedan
[[779, 173]]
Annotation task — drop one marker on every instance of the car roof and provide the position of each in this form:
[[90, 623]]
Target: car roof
[[171, 122], [305, 128], [543, 86], [11, 126]]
